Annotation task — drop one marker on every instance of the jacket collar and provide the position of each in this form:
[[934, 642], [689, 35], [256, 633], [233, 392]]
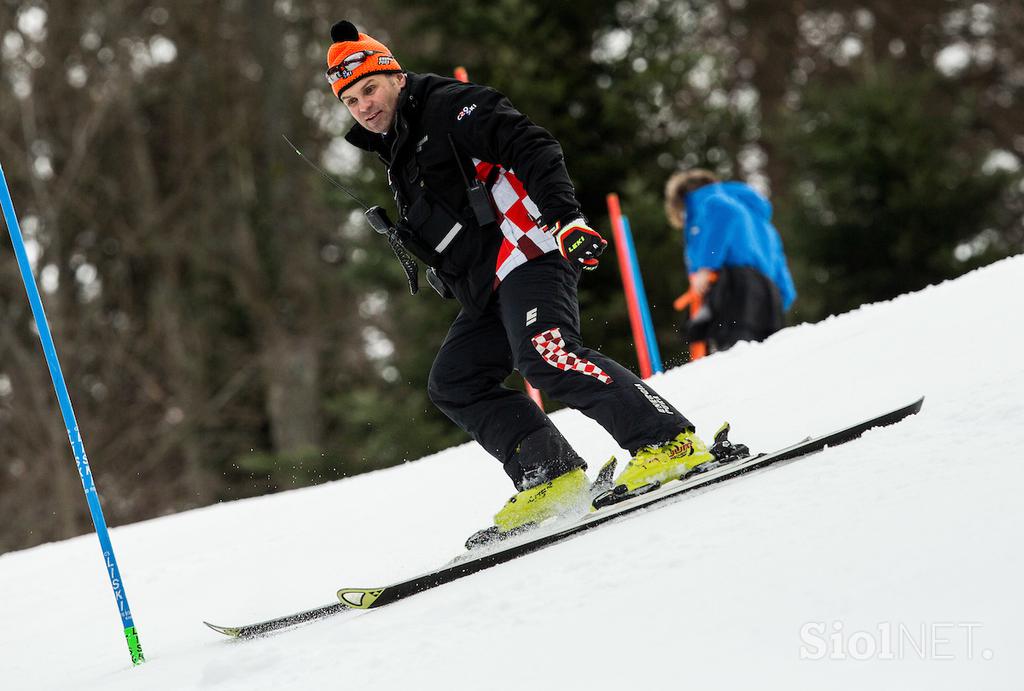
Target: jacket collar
[[701, 193], [694, 202]]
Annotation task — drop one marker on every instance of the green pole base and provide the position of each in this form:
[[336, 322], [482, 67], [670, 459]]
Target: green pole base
[[134, 647]]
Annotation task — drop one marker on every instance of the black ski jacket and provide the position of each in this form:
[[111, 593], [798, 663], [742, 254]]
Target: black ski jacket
[[440, 126]]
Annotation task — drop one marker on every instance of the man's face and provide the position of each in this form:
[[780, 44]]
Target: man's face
[[373, 100]]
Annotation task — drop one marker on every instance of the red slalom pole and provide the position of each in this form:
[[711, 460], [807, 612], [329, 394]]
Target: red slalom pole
[[635, 319]]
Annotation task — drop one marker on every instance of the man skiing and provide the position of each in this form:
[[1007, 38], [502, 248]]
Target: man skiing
[[484, 199]]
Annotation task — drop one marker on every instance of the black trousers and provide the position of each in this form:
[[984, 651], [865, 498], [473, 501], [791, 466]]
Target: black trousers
[[742, 305], [532, 324]]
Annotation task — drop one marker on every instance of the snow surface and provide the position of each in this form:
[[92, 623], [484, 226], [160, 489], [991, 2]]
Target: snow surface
[[900, 551]]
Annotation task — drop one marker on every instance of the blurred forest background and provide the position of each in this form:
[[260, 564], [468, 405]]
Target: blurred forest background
[[227, 324]]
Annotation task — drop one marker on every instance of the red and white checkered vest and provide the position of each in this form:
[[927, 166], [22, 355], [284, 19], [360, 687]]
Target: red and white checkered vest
[[522, 239]]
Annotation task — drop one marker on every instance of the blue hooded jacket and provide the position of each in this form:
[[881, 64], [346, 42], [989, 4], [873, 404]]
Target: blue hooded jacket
[[730, 224]]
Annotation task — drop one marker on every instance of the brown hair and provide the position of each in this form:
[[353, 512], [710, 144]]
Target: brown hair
[[676, 189]]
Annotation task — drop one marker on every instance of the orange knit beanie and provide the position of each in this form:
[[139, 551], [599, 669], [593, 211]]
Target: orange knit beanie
[[353, 55]]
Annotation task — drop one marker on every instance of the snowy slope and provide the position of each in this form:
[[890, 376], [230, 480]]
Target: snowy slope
[[900, 552]]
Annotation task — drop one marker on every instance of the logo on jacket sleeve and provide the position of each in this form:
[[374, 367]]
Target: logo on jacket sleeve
[[465, 111]]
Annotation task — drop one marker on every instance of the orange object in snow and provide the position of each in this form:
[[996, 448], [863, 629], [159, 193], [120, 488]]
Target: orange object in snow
[[693, 301]]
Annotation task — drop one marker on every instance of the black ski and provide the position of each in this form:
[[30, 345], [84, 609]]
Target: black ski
[[252, 630], [371, 598]]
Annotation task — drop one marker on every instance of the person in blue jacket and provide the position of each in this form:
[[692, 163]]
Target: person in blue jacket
[[734, 258]]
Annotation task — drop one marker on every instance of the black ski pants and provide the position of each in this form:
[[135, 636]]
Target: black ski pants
[[532, 324]]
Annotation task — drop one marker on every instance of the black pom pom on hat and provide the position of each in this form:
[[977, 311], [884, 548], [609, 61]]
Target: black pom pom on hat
[[344, 31]]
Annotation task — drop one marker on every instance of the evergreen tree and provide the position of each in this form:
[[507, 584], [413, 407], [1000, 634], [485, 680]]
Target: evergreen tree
[[883, 191]]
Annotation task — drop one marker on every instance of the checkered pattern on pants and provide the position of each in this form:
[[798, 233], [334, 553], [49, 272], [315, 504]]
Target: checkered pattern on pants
[[551, 347]]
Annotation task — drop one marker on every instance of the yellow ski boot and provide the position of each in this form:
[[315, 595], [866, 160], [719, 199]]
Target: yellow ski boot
[[669, 461], [567, 494]]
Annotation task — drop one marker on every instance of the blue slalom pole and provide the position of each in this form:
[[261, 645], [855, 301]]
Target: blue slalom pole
[[77, 447], [641, 296]]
